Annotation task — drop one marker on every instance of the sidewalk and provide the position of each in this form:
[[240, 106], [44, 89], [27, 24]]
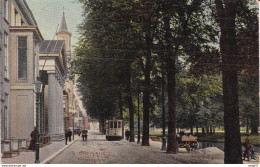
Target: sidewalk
[[208, 155], [46, 153]]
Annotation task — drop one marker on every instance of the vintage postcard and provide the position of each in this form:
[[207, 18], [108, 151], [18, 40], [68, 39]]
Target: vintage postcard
[[129, 82]]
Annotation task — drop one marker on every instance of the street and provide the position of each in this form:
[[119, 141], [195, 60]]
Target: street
[[97, 150]]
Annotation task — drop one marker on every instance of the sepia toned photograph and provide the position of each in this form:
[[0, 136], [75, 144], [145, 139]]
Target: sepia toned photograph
[[129, 82]]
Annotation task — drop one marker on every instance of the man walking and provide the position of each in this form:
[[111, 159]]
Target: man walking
[[70, 134], [66, 136]]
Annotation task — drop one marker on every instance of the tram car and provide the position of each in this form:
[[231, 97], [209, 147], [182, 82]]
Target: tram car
[[114, 130]]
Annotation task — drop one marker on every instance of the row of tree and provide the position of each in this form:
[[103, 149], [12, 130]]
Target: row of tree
[[193, 52]]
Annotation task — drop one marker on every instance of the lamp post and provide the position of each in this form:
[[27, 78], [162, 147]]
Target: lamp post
[[138, 140], [73, 115], [38, 88]]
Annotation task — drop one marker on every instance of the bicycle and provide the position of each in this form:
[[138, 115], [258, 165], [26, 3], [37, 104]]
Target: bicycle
[[252, 155]]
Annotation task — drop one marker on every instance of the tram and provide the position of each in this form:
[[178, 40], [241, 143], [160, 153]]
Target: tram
[[114, 130]]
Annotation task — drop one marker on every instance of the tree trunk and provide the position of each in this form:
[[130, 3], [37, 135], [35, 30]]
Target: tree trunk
[[203, 131], [214, 130], [210, 130], [227, 14], [255, 123], [163, 102], [146, 93], [247, 125], [171, 68], [131, 106], [120, 105], [207, 129], [191, 130], [197, 130], [138, 114]]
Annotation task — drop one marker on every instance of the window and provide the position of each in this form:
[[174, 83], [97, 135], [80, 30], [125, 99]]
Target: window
[[6, 52], [16, 18], [110, 124], [6, 9], [22, 57], [115, 124], [119, 124]]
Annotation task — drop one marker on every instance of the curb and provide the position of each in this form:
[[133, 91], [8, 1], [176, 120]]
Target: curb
[[46, 161]]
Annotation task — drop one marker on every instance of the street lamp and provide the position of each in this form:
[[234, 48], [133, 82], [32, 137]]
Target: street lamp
[[38, 89], [73, 115]]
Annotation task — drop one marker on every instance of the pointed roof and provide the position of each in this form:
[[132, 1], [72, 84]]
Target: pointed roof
[[63, 25]]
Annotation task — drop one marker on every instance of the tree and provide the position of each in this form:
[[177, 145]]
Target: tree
[[226, 12]]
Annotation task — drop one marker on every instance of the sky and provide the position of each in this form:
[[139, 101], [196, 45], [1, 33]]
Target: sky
[[48, 14]]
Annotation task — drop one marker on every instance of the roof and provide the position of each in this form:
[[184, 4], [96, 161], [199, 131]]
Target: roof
[[63, 25], [51, 46]]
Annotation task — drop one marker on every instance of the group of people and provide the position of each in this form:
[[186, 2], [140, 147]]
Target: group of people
[[68, 135]]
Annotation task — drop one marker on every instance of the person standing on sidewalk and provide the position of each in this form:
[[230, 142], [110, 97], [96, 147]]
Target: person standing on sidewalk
[[33, 140], [66, 136], [70, 134]]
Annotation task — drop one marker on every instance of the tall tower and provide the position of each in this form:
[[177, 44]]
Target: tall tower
[[64, 34]]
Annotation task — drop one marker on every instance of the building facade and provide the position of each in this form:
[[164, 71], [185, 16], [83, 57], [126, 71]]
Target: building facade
[[5, 8], [20, 38], [53, 69]]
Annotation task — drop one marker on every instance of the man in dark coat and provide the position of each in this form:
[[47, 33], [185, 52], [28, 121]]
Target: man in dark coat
[[127, 134], [66, 136], [33, 140], [70, 134]]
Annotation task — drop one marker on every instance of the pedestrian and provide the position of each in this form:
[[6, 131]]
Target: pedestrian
[[66, 136], [127, 134], [79, 132], [69, 134], [248, 146], [33, 140]]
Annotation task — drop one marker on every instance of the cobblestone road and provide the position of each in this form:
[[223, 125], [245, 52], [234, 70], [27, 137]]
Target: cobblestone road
[[98, 150]]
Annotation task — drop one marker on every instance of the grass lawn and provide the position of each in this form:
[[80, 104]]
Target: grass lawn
[[219, 137]]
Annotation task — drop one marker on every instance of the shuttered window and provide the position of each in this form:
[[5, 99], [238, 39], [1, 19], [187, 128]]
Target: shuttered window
[[22, 57]]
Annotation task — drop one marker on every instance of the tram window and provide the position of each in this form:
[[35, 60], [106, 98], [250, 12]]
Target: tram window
[[110, 124], [115, 124], [119, 124]]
